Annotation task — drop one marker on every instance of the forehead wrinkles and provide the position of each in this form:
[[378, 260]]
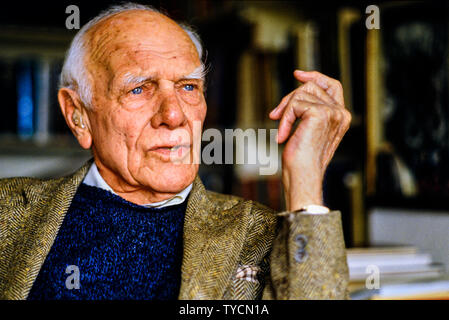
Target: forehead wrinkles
[[131, 40], [113, 49], [168, 64], [137, 29]]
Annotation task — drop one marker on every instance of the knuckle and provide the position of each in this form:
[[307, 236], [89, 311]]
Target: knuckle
[[348, 116], [339, 116], [296, 100], [325, 113], [314, 113], [346, 121], [284, 99], [298, 95], [338, 84], [305, 86]]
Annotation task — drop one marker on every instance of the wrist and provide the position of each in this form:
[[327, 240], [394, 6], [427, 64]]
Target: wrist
[[300, 204], [303, 189], [298, 198]]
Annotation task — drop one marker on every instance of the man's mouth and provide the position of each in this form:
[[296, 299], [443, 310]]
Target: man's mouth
[[171, 150]]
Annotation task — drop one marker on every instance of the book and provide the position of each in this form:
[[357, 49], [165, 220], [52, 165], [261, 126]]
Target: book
[[389, 260], [25, 100], [437, 289], [402, 271]]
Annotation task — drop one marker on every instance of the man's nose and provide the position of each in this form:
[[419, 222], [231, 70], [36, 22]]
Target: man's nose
[[170, 113]]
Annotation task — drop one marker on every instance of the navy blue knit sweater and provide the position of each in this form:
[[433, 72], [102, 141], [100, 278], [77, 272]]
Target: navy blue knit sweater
[[122, 250]]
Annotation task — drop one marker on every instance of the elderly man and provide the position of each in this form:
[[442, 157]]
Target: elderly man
[[136, 222]]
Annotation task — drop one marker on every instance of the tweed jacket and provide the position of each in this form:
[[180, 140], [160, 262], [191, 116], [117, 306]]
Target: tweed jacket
[[233, 248]]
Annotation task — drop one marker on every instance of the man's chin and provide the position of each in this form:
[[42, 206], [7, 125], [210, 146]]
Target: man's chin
[[171, 179]]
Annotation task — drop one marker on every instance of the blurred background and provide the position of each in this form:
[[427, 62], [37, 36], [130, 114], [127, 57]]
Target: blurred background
[[389, 177]]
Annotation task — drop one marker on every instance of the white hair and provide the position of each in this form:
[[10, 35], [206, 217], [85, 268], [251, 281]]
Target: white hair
[[74, 74]]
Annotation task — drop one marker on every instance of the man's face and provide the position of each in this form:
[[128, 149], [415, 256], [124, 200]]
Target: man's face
[[144, 103]]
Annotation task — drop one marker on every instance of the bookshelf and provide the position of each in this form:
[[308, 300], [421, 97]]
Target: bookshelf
[[34, 140]]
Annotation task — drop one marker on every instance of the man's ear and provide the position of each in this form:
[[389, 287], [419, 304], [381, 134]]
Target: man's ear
[[75, 116]]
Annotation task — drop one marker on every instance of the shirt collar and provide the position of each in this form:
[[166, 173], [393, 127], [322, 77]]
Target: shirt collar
[[94, 179]]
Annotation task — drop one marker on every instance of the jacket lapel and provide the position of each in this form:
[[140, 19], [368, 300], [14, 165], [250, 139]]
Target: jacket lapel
[[212, 245], [45, 206]]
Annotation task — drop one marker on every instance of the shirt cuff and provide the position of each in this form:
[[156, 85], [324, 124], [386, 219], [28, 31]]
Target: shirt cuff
[[314, 209]]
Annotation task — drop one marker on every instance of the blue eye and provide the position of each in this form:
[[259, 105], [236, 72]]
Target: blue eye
[[137, 90], [189, 87]]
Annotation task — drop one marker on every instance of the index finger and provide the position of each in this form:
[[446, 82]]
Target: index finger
[[331, 86]]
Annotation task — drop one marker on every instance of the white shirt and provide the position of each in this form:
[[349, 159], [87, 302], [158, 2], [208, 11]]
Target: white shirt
[[94, 179]]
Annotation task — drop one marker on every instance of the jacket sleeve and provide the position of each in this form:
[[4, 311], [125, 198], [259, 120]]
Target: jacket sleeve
[[308, 258]]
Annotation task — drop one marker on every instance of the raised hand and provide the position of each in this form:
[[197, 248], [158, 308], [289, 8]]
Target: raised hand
[[319, 106]]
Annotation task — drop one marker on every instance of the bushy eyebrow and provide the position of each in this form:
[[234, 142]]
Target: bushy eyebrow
[[198, 74], [130, 78]]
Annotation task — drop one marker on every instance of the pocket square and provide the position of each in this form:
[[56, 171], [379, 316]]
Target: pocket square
[[248, 273]]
